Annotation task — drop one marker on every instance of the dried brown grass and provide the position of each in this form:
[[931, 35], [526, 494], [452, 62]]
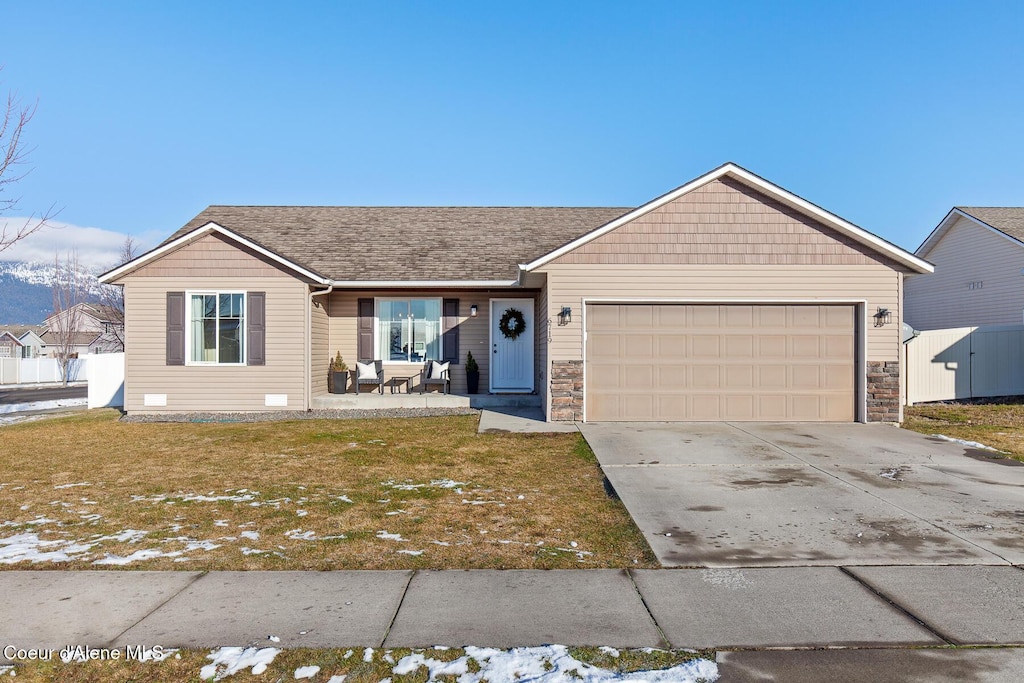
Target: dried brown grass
[[998, 425], [320, 494]]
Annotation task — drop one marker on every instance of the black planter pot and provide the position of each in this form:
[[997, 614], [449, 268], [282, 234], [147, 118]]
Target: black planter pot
[[339, 382], [473, 382]]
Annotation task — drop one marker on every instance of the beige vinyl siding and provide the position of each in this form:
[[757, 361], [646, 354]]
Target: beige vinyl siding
[[570, 284], [321, 353], [968, 253], [724, 223], [215, 388], [473, 332], [213, 264], [211, 255]]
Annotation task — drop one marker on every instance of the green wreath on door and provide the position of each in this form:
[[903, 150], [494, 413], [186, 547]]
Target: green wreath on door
[[512, 323]]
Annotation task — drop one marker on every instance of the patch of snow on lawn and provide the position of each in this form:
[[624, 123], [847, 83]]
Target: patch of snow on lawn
[[306, 672], [251, 535], [414, 553], [43, 405], [300, 535], [548, 663], [231, 660], [385, 536], [68, 486], [147, 554], [29, 548], [969, 444], [344, 499]]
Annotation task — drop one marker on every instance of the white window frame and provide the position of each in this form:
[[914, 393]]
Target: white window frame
[[188, 326], [376, 327]]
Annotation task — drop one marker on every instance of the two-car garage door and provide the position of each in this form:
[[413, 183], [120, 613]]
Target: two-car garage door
[[670, 362]]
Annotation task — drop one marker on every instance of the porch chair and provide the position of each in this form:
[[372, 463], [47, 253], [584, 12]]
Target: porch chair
[[435, 373], [370, 375]]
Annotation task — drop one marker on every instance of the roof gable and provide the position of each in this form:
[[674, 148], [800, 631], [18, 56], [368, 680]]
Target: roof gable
[[7, 336], [1007, 222], [184, 237], [776, 193]]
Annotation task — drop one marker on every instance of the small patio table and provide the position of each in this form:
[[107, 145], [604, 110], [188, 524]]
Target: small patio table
[[396, 384]]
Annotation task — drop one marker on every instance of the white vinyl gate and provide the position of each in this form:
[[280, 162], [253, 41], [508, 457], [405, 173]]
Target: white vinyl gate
[[965, 362]]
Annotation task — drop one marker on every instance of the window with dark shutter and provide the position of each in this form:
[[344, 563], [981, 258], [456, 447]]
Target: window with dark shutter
[[364, 348], [450, 330], [256, 334], [175, 328]]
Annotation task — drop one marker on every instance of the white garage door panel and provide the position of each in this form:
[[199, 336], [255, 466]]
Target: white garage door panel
[[720, 362]]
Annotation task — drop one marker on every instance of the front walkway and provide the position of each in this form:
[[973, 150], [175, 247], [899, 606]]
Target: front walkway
[[371, 400]]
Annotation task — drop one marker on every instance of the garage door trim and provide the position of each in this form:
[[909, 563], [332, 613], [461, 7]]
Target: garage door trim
[[860, 332]]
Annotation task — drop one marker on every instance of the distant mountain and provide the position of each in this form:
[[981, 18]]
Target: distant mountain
[[26, 294]]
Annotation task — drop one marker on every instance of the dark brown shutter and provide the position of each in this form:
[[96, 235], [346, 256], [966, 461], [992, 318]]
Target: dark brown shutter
[[364, 348], [175, 328], [450, 330], [256, 329]]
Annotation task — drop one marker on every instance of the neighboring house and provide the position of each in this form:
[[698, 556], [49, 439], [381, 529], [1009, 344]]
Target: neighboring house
[[10, 347], [727, 298], [97, 329], [978, 254], [29, 336], [33, 345]]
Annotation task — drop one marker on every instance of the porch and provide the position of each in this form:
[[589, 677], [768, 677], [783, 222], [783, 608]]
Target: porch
[[371, 400]]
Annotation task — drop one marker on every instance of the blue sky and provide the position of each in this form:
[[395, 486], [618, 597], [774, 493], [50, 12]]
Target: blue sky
[[886, 113]]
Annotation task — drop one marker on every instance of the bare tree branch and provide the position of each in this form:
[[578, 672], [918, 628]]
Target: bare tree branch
[[13, 155], [112, 298], [64, 323]]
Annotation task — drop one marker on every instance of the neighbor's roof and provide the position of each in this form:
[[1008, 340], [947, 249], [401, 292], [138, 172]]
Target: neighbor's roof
[[77, 338], [20, 331], [389, 242], [1008, 220]]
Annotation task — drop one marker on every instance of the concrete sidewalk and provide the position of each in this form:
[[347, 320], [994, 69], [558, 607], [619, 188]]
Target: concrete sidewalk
[[802, 607]]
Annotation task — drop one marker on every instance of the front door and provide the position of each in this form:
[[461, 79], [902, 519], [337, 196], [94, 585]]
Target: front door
[[512, 339]]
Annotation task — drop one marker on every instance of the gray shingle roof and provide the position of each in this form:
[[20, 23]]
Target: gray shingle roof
[[407, 243], [1007, 219]]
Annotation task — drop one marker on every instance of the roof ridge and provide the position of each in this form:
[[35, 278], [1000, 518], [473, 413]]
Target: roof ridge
[[398, 206]]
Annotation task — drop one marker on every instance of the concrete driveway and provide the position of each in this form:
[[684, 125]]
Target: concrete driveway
[[768, 495]]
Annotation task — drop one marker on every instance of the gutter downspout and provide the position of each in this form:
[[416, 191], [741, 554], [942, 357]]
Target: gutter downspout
[[309, 344]]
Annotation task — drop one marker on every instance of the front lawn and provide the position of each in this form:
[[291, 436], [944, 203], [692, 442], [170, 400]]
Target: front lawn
[[88, 491], [998, 425]]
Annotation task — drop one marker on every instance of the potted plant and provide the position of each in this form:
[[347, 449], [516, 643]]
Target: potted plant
[[472, 374], [339, 374]]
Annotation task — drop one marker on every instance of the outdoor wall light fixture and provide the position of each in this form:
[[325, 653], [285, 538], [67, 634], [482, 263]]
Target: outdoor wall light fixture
[[565, 315], [882, 317], [472, 311]]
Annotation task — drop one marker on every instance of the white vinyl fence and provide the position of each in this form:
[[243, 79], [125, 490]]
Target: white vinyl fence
[[39, 370], [106, 380], [965, 362]]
